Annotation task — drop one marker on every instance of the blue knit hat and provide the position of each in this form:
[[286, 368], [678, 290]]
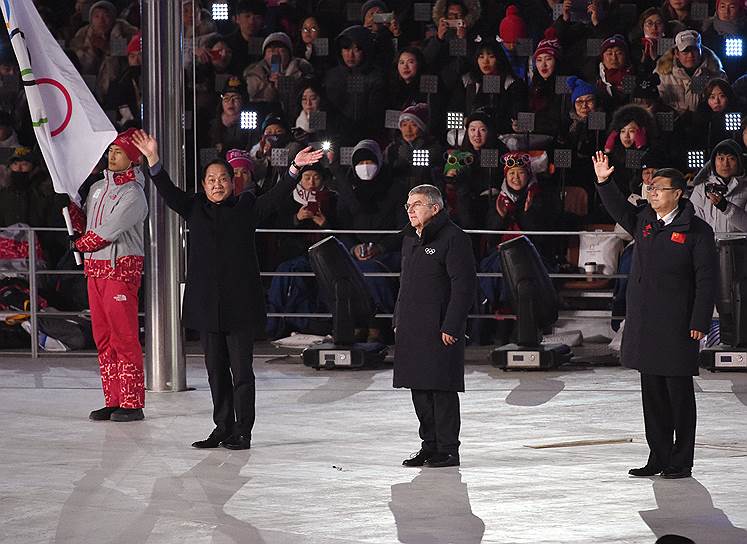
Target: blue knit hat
[[579, 88]]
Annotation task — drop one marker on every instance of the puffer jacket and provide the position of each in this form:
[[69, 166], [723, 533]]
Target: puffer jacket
[[676, 89]]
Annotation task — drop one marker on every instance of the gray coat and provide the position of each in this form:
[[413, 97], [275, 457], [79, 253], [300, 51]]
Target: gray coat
[[437, 288]]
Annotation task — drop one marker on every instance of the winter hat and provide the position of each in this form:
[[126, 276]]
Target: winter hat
[[238, 158], [124, 140], [367, 150], [550, 45], [108, 6], [135, 46], [654, 159], [579, 88], [373, 4], [614, 41], [233, 85], [647, 87], [479, 114], [516, 159], [274, 119], [512, 27], [728, 147], [418, 114], [22, 153], [280, 38]]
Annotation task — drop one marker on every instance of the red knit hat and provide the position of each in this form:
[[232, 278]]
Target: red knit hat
[[512, 27], [124, 140], [615, 41], [418, 114], [550, 45], [516, 159]]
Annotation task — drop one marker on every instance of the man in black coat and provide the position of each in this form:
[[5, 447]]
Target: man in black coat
[[437, 287], [671, 293], [224, 299]]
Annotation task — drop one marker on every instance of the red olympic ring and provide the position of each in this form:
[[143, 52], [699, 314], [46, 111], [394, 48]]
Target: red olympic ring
[[68, 101]]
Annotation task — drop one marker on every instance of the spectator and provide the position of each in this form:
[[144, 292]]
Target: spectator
[[413, 135], [679, 10], [77, 19], [489, 59], [404, 83], [454, 19], [727, 21], [312, 100], [311, 206], [720, 196], [543, 100], [595, 23], [263, 77], [679, 68], [382, 34], [8, 136], [356, 86], [275, 135], [198, 26], [125, 95], [511, 30], [632, 128], [705, 127], [610, 70], [521, 205], [652, 26], [221, 54], [311, 30], [250, 20], [243, 170], [29, 198], [225, 130], [93, 45]]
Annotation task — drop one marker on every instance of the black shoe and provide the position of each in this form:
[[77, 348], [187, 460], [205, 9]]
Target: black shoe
[[643, 472], [103, 414], [417, 459], [128, 414], [441, 460], [212, 441], [675, 473], [237, 442]]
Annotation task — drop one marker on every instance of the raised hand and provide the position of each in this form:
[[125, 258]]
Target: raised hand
[[602, 166], [308, 156], [147, 145]]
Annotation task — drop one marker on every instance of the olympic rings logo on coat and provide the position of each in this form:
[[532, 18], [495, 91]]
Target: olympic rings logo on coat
[[430, 251]]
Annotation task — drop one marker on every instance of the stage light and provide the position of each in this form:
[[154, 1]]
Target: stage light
[[733, 47], [220, 11], [454, 119], [696, 158], [420, 157], [733, 121], [248, 120]]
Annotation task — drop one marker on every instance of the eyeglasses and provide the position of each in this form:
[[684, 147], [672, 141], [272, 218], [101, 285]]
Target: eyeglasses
[[657, 189], [452, 159], [414, 205], [231, 98], [309, 30]]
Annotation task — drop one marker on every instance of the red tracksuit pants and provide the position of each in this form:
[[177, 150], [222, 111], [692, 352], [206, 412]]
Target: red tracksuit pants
[[116, 333]]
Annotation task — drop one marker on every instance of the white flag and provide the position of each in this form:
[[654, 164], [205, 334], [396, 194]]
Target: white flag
[[71, 128]]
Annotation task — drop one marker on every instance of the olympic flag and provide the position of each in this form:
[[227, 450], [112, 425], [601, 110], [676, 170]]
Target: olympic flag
[[72, 130]]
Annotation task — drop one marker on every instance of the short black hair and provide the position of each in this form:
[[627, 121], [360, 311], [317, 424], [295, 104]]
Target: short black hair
[[222, 162], [674, 176]]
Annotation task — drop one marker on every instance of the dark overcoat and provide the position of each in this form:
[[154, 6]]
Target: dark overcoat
[[223, 292], [437, 289], [671, 287]]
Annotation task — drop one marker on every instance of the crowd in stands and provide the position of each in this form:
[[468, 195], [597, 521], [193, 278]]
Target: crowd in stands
[[508, 100]]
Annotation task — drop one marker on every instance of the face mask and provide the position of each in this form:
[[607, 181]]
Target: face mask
[[19, 179], [366, 171], [278, 140]]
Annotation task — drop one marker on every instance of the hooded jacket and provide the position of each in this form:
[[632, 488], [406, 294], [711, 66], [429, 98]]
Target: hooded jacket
[[676, 89], [734, 217]]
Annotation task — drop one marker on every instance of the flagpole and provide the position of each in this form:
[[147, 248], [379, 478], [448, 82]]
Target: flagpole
[[163, 103]]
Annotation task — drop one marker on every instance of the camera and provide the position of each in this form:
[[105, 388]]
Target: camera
[[454, 23], [716, 188], [384, 18]]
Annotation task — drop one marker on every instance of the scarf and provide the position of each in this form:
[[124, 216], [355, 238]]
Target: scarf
[[514, 202], [726, 27], [302, 122], [320, 196], [126, 176]]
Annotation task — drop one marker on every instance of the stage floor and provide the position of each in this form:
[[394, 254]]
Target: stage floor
[[325, 463]]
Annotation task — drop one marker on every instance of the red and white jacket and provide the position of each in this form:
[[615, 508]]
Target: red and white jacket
[[112, 226]]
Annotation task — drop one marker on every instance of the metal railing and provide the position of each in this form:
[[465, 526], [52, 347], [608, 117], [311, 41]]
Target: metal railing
[[34, 272]]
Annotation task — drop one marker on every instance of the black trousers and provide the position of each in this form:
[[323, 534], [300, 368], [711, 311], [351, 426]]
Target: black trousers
[[438, 413], [669, 414], [228, 359]]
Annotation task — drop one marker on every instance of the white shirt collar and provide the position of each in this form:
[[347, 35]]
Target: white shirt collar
[[669, 217]]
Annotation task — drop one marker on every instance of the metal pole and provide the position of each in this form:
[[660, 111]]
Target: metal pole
[[33, 292], [163, 104]]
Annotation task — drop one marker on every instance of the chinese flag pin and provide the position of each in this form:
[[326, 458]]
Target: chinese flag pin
[[678, 237]]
